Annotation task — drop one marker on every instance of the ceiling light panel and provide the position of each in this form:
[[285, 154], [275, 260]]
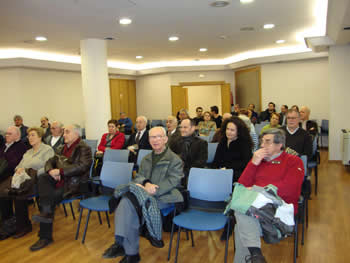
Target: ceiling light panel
[[246, 1], [41, 38], [269, 26], [203, 49], [125, 21], [173, 38]]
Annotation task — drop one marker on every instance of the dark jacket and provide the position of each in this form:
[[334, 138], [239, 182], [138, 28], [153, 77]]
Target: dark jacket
[[197, 154], [266, 115], [143, 144], [311, 127], [75, 168], [12, 156], [174, 137], [60, 142], [301, 142], [235, 157], [2, 140]]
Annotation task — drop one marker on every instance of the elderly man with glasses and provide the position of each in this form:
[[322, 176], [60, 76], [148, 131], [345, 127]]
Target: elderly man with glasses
[[269, 165]]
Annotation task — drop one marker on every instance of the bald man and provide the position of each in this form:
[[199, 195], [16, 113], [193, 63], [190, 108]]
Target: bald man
[[306, 124], [173, 131], [11, 154]]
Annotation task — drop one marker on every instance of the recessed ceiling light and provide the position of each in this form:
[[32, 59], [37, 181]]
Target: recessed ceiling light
[[125, 21], [269, 26], [223, 37], [203, 49], [246, 1], [220, 3], [109, 38], [173, 38], [41, 38], [139, 57], [281, 41], [201, 75]]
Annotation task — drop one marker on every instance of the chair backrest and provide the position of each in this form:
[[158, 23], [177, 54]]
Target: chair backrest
[[314, 146], [324, 126], [210, 184], [91, 143], [155, 123], [116, 156], [304, 159], [142, 153], [116, 173], [211, 135], [211, 151], [205, 138]]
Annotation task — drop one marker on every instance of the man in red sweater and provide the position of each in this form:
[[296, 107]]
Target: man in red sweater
[[269, 165]]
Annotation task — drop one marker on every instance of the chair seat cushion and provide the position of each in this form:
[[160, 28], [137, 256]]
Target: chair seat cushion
[[99, 203], [200, 220], [67, 201]]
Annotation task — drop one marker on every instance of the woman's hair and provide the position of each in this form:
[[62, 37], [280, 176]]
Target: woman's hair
[[39, 131], [242, 130], [206, 112], [276, 114], [112, 121]]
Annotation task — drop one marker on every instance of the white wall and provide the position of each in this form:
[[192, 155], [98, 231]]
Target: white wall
[[203, 96], [35, 93], [302, 82], [339, 94]]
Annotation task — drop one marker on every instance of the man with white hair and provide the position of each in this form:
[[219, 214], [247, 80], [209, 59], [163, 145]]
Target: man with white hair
[[66, 175], [306, 124], [11, 154], [18, 120], [138, 140], [55, 139], [159, 175]]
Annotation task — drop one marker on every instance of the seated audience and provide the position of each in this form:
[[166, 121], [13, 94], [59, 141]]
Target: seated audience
[[273, 122], [11, 154], [269, 165], [192, 150], [283, 115], [308, 125], [235, 148], [111, 140], [173, 131], [236, 110], [23, 129], [199, 117], [206, 126], [295, 107], [65, 175], [45, 125], [254, 115], [183, 114], [159, 175], [125, 123], [296, 138], [32, 164], [251, 128], [138, 140], [55, 139], [218, 135], [266, 115], [2, 140], [214, 110]]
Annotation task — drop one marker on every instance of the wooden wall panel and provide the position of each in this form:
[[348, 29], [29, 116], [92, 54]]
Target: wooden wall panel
[[225, 98], [179, 99]]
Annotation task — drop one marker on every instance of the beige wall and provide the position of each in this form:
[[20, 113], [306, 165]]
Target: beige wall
[[339, 94], [36, 93], [302, 82], [204, 96]]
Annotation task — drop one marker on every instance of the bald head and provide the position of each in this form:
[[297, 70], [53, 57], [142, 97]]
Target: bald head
[[226, 116], [304, 113], [13, 134]]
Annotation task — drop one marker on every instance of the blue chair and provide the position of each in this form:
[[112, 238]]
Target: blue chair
[[208, 188], [69, 201], [112, 175], [211, 135], [155, 123], [324, 130], [313, 163], [120, 156], [205, 138], [211, 151], [91, 143], [141, 154]]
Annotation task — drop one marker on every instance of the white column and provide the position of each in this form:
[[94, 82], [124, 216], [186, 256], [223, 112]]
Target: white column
[[95, 83]]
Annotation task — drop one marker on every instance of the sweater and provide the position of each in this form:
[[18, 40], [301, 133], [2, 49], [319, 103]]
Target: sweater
[[116, 143], [300, 141], [286, 172]]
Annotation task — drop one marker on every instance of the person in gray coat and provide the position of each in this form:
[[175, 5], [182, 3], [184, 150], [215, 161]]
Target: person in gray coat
[[160, 174]]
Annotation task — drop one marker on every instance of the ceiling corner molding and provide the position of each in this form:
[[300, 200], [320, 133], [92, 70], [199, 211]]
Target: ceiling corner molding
[[319, 44]]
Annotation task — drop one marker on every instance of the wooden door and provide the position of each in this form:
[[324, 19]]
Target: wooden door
[[179, 99], [225, 98], [123, 98]]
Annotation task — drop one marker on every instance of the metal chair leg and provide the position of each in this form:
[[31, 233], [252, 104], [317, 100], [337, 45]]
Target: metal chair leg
[[78, 227], [71, 208], [187, 234], [109, 225], [86, 226], [227, 238], [307, 212], [316, 180], [99, 217], [295, 242], [303, 222], [171, 240], [64, 209], [177, 243], [192, 238]]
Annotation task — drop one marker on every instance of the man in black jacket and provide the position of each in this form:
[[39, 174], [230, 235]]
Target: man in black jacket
[[308, 125], [266, 115], [66, 174], [192, 150], [138, 140]]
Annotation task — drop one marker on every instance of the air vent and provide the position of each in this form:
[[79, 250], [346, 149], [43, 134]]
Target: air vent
[[347, 28], [109, 38], [247, 28], [220, 3], [30, 41]]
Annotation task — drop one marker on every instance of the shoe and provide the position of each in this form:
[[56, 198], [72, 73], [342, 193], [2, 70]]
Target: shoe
[[23, 232], [114, 251], [41, 243], [255, 259], [4, 235], [131, 259], [43, 218], [154, 242]]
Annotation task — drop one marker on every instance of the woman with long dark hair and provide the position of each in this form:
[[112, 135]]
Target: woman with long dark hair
[[235, 149]]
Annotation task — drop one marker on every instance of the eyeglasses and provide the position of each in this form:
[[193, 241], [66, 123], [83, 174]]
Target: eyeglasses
[[156, 137], [266, 142], [292, 118]]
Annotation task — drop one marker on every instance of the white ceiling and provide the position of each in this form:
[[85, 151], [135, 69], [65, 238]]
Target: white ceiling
[[66, 22]]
